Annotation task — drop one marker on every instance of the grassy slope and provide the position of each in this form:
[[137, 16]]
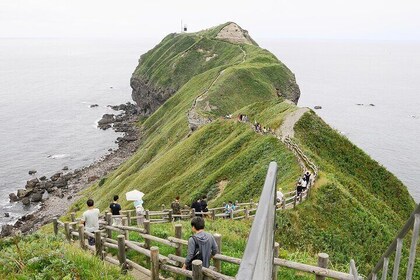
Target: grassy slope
[[357, 207], [351, 206], [42, 256]]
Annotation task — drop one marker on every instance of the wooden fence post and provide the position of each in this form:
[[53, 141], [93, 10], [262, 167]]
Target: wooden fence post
[[109, 222], [192, 213], [121, 254], [322, 262], [276, 255], [283, 203], [55, 226], [294, 201], [98, 244], [170, 216], [218, 263], [213, 214], [197, 270], [128, 217], [126, 232], [154, 259], [73, 219], [147, 216], [67, 231], [146, 225], [178, 234], [82, 236], [231, 214], [246, 213]]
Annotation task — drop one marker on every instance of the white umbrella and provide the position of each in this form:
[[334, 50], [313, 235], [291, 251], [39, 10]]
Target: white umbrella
[[134, 195]]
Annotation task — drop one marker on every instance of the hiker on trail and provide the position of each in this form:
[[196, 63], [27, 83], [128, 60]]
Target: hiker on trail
[[138, 204], [115, 210], [204, 204], [196, 205], [280, 196], [307, 176], [90, 219], [176, 208], [299, 189], [229, 208], [201, 246]]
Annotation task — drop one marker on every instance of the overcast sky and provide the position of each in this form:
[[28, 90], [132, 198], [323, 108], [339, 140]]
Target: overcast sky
[[323, 19]]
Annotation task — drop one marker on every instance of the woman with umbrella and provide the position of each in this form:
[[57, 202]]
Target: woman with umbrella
[[137, 196]]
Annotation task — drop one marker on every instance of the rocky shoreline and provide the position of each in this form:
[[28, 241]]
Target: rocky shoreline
[[57, 193]]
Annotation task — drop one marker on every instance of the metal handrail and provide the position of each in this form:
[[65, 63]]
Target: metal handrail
[[257, 262], [398, 239]]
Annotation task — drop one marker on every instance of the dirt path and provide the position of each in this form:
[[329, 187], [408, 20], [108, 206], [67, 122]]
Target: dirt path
[[286, 128]]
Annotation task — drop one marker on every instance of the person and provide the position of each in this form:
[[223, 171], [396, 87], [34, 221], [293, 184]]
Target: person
[[203, 203], [176, 208], [229, 208], [307, 176], [90, 219], [201, 245], [299, 189], [279, 196], [115, 210], [138, 204], [196, 205]]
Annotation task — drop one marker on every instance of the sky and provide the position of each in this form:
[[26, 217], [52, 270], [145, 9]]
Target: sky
[[297, 19]]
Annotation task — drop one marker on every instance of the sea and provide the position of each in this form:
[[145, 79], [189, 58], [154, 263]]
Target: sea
[[368, 91]]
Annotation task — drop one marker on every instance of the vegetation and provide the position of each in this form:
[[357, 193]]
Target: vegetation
[[355, 210], [42, 256]]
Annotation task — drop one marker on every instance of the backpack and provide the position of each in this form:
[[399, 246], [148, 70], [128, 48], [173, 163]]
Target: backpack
[[197, 253]]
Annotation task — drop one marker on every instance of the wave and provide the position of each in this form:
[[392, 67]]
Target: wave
[[58, 156]]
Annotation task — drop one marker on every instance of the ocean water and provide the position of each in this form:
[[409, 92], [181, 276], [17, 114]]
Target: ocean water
[[340, 75], [46, 89], [47, 86]]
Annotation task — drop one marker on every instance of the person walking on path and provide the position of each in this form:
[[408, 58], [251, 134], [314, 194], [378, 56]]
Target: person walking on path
[[138, 204], [176, 208], [229, 208], [90, 219], [196, 205], [201, 246], [307, 176], [203, 203], [115, 210]]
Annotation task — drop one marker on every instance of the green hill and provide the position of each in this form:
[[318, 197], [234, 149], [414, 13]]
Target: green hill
[[186, 85]]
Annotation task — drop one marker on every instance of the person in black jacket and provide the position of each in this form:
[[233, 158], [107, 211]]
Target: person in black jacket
[[204, 204], [196, 205]]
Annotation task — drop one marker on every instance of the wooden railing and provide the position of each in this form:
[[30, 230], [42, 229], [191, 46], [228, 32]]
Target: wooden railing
[[158, 263], [396, 246]]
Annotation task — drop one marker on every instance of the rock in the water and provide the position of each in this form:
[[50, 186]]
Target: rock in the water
[[21, 193], [317, 107], [70, 197], [94, 105], [7, 214], [65, 168], [36, 197], [26, 201], [32, 172], [372, 105], [106, 120], [32, 183], [43, 178], [56, 176], [13, 197]]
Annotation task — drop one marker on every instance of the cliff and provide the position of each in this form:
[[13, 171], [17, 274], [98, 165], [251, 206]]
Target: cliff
[[163, 70]]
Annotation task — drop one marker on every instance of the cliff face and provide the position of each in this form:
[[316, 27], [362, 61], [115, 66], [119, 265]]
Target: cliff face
[[148, 97], [173, 62]]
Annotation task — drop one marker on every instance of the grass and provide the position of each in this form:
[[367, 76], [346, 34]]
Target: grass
[[355, 209], [43, 256]]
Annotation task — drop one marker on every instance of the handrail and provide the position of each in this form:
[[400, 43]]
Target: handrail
[[398, 239], [257, 262]]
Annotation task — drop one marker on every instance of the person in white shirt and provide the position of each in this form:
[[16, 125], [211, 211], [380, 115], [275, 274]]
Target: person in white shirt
[[90, 219]]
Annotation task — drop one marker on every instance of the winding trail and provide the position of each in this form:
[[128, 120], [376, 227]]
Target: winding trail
[[194, 118]]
